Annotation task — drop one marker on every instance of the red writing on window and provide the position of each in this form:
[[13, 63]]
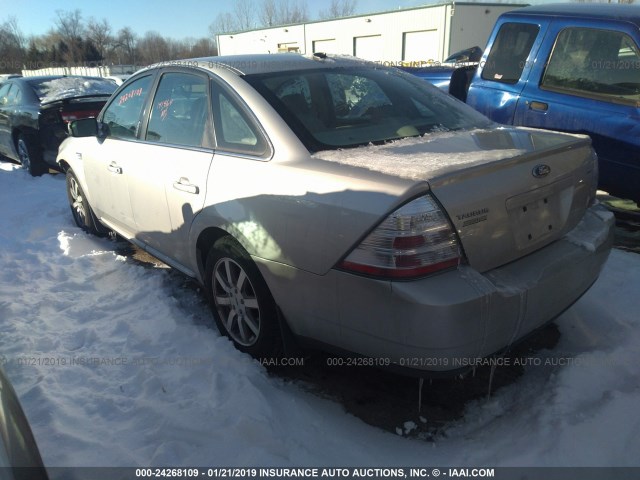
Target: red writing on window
[[164, 107], [129, 95]]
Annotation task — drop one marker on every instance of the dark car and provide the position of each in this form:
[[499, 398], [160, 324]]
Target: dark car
[[35, 111]]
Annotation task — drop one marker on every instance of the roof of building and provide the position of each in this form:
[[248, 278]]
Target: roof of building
[[452, 3]]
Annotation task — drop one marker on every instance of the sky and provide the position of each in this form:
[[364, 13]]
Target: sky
[[175, 19]]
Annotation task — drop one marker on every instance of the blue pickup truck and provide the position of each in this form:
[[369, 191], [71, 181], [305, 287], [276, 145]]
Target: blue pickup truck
[[573, 68]]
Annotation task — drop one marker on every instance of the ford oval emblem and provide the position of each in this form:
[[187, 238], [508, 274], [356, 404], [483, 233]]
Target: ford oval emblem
[[540, 171]]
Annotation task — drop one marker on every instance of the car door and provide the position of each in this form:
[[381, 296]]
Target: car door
[[107, 163], [590, 83], [504, 70], [167, 181]]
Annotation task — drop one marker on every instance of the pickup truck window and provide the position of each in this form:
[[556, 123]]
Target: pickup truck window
[[509, 53], [594, 63]]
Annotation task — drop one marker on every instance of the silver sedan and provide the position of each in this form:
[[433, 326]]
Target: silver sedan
[[342, 204]]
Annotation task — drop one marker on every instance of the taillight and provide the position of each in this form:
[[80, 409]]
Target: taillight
[[77, 115], [415, 240]]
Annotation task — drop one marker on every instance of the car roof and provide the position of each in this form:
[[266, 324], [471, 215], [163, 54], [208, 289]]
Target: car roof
[[269, 62], [601, 11]]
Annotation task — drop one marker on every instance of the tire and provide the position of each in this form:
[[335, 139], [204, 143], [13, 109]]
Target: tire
[[83, 215], [242, 305], [30, 156]]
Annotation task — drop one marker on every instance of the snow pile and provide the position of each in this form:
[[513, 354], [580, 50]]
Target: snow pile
[[116, 365]]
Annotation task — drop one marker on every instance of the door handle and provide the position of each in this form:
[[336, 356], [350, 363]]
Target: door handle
[[184, 186], [114, 168], [540, 106]]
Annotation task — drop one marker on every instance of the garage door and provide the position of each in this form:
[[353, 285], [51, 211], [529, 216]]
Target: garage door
[[420, 46], [368, 47], [326, 46]]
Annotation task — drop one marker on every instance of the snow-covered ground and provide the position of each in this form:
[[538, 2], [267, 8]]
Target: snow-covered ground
[[116, 365]]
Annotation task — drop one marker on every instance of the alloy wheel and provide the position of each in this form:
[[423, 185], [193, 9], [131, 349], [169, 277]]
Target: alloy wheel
[[23, 154], [236, 302], [77, 202]]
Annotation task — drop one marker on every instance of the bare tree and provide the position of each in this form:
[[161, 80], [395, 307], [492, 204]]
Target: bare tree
[[11, 33], [224, 23], [69, 24], [339, 8], [268, 13], [282, 12], [292, 11], [12, 45], [204, 47], [244, 12], [99, 32], [70, 29], [154, 48], [126, 44]]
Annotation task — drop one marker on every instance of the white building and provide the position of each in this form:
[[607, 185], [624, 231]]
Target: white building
[[421, 34]]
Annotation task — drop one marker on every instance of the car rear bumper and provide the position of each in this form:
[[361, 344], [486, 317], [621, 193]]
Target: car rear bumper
[[448, 321]]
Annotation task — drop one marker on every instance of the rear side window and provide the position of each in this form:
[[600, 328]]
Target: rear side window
[[235, 131], [124, 115], [509, 53], [601, 64], [179, 111]]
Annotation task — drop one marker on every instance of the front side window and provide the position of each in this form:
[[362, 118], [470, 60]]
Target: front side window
[[124, 115], [179, 111], [345, 107], [595, 63], [509, 53]]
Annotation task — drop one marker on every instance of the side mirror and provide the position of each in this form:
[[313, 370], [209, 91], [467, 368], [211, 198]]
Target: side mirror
[[85, 127]]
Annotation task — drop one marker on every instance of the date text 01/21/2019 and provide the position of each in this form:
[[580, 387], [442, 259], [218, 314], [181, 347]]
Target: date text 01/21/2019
[[303, 473]]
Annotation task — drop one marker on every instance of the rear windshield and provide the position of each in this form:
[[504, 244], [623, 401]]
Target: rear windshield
[[345, 107], [50, 90]]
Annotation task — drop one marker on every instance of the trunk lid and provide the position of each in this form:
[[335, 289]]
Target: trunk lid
[[505, 209]]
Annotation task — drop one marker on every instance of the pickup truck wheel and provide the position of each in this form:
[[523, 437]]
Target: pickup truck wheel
[[30, 156], [80, 208], [242, 305]]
